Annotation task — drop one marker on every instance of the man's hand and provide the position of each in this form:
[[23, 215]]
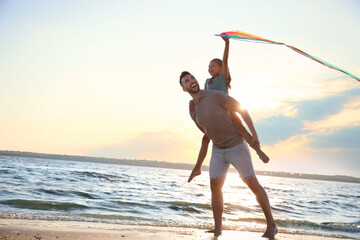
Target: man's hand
[[195, 172]]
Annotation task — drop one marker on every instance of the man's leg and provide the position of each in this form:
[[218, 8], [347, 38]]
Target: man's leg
[[264, 203], [217, 202]]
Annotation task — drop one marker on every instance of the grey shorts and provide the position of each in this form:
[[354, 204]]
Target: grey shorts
[[239, 156]]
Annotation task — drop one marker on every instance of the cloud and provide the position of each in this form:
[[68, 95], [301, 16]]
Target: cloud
[[348, 116], [318, 117], [322, 136], [274, 129], [299, 154], [316, 109], [269, 94], [346, 137]]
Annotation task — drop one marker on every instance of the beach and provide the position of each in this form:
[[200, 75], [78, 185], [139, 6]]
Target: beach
[[45, 199], [23, 229]]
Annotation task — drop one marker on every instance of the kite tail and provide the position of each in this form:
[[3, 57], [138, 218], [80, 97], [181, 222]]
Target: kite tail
[[326, 64], [249, 37]]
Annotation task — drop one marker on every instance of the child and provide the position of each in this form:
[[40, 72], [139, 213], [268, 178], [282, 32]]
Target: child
[[220, 80]]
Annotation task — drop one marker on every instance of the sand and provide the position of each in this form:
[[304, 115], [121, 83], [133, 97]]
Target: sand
[[22, 229]]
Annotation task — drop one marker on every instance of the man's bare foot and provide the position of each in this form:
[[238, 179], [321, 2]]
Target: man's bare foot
[[270, 232], [194, 173], [216, 233], [263, 156]]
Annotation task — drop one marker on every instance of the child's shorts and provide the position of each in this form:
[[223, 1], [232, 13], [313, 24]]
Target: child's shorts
[[239, 156]]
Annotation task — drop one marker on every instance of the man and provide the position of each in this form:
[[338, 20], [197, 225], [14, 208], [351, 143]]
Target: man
[[212, 116]]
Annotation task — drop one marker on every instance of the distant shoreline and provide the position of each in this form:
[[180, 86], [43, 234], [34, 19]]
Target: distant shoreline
[[162, 164]]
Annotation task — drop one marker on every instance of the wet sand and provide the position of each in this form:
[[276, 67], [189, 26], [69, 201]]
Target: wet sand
[[22, 229]]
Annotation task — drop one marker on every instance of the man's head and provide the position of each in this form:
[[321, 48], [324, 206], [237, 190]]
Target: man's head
[[189, 83], [183, 74]]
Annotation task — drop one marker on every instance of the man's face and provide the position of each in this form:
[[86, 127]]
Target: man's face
[[190, 84]]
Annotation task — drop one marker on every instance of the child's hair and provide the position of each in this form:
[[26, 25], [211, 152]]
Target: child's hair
[[183, 74], [219, 62]]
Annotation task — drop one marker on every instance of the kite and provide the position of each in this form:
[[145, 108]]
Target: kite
[[249, 37]]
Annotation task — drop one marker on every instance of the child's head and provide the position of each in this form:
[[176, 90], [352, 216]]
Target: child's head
[[215, 67]]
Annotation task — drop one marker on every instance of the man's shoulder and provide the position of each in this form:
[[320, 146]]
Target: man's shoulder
[[216, 96]]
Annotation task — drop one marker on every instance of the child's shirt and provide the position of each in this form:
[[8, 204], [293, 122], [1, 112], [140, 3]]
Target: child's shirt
[[218, 83]]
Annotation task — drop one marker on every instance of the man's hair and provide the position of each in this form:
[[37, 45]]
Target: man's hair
[[183, 74]]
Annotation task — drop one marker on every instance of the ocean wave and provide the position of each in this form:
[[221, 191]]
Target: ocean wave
[[107, 177], [300, 224], [6, 171], [286, 209], [344, 227], [66, 193], [228, 207], [43, 205], [346, 196], [187, 206], [134, 204]]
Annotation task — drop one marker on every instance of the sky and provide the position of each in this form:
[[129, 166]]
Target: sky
[[101, 78]]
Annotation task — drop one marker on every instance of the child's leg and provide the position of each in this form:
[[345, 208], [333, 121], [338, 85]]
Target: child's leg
[[247, 136], [240, 128]]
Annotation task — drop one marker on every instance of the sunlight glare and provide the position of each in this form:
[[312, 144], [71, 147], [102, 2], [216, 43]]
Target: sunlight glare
[[237, 192]]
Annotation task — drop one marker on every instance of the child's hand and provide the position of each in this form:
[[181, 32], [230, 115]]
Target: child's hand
[[226, 39]]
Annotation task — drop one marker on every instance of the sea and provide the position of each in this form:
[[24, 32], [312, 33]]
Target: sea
[[48, 189]]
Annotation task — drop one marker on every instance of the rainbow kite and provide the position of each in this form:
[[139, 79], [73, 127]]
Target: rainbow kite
[[245, 36]]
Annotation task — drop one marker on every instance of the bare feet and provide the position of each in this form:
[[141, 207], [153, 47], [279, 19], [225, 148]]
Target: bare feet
[[216, 233], [194, 173], [270, 232]]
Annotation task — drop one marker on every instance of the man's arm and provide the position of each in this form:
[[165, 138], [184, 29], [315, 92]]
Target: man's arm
[[201, 157], [202, 154], [235, 106]]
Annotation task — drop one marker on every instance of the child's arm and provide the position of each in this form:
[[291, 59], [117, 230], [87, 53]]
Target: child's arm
[[225, 68]]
